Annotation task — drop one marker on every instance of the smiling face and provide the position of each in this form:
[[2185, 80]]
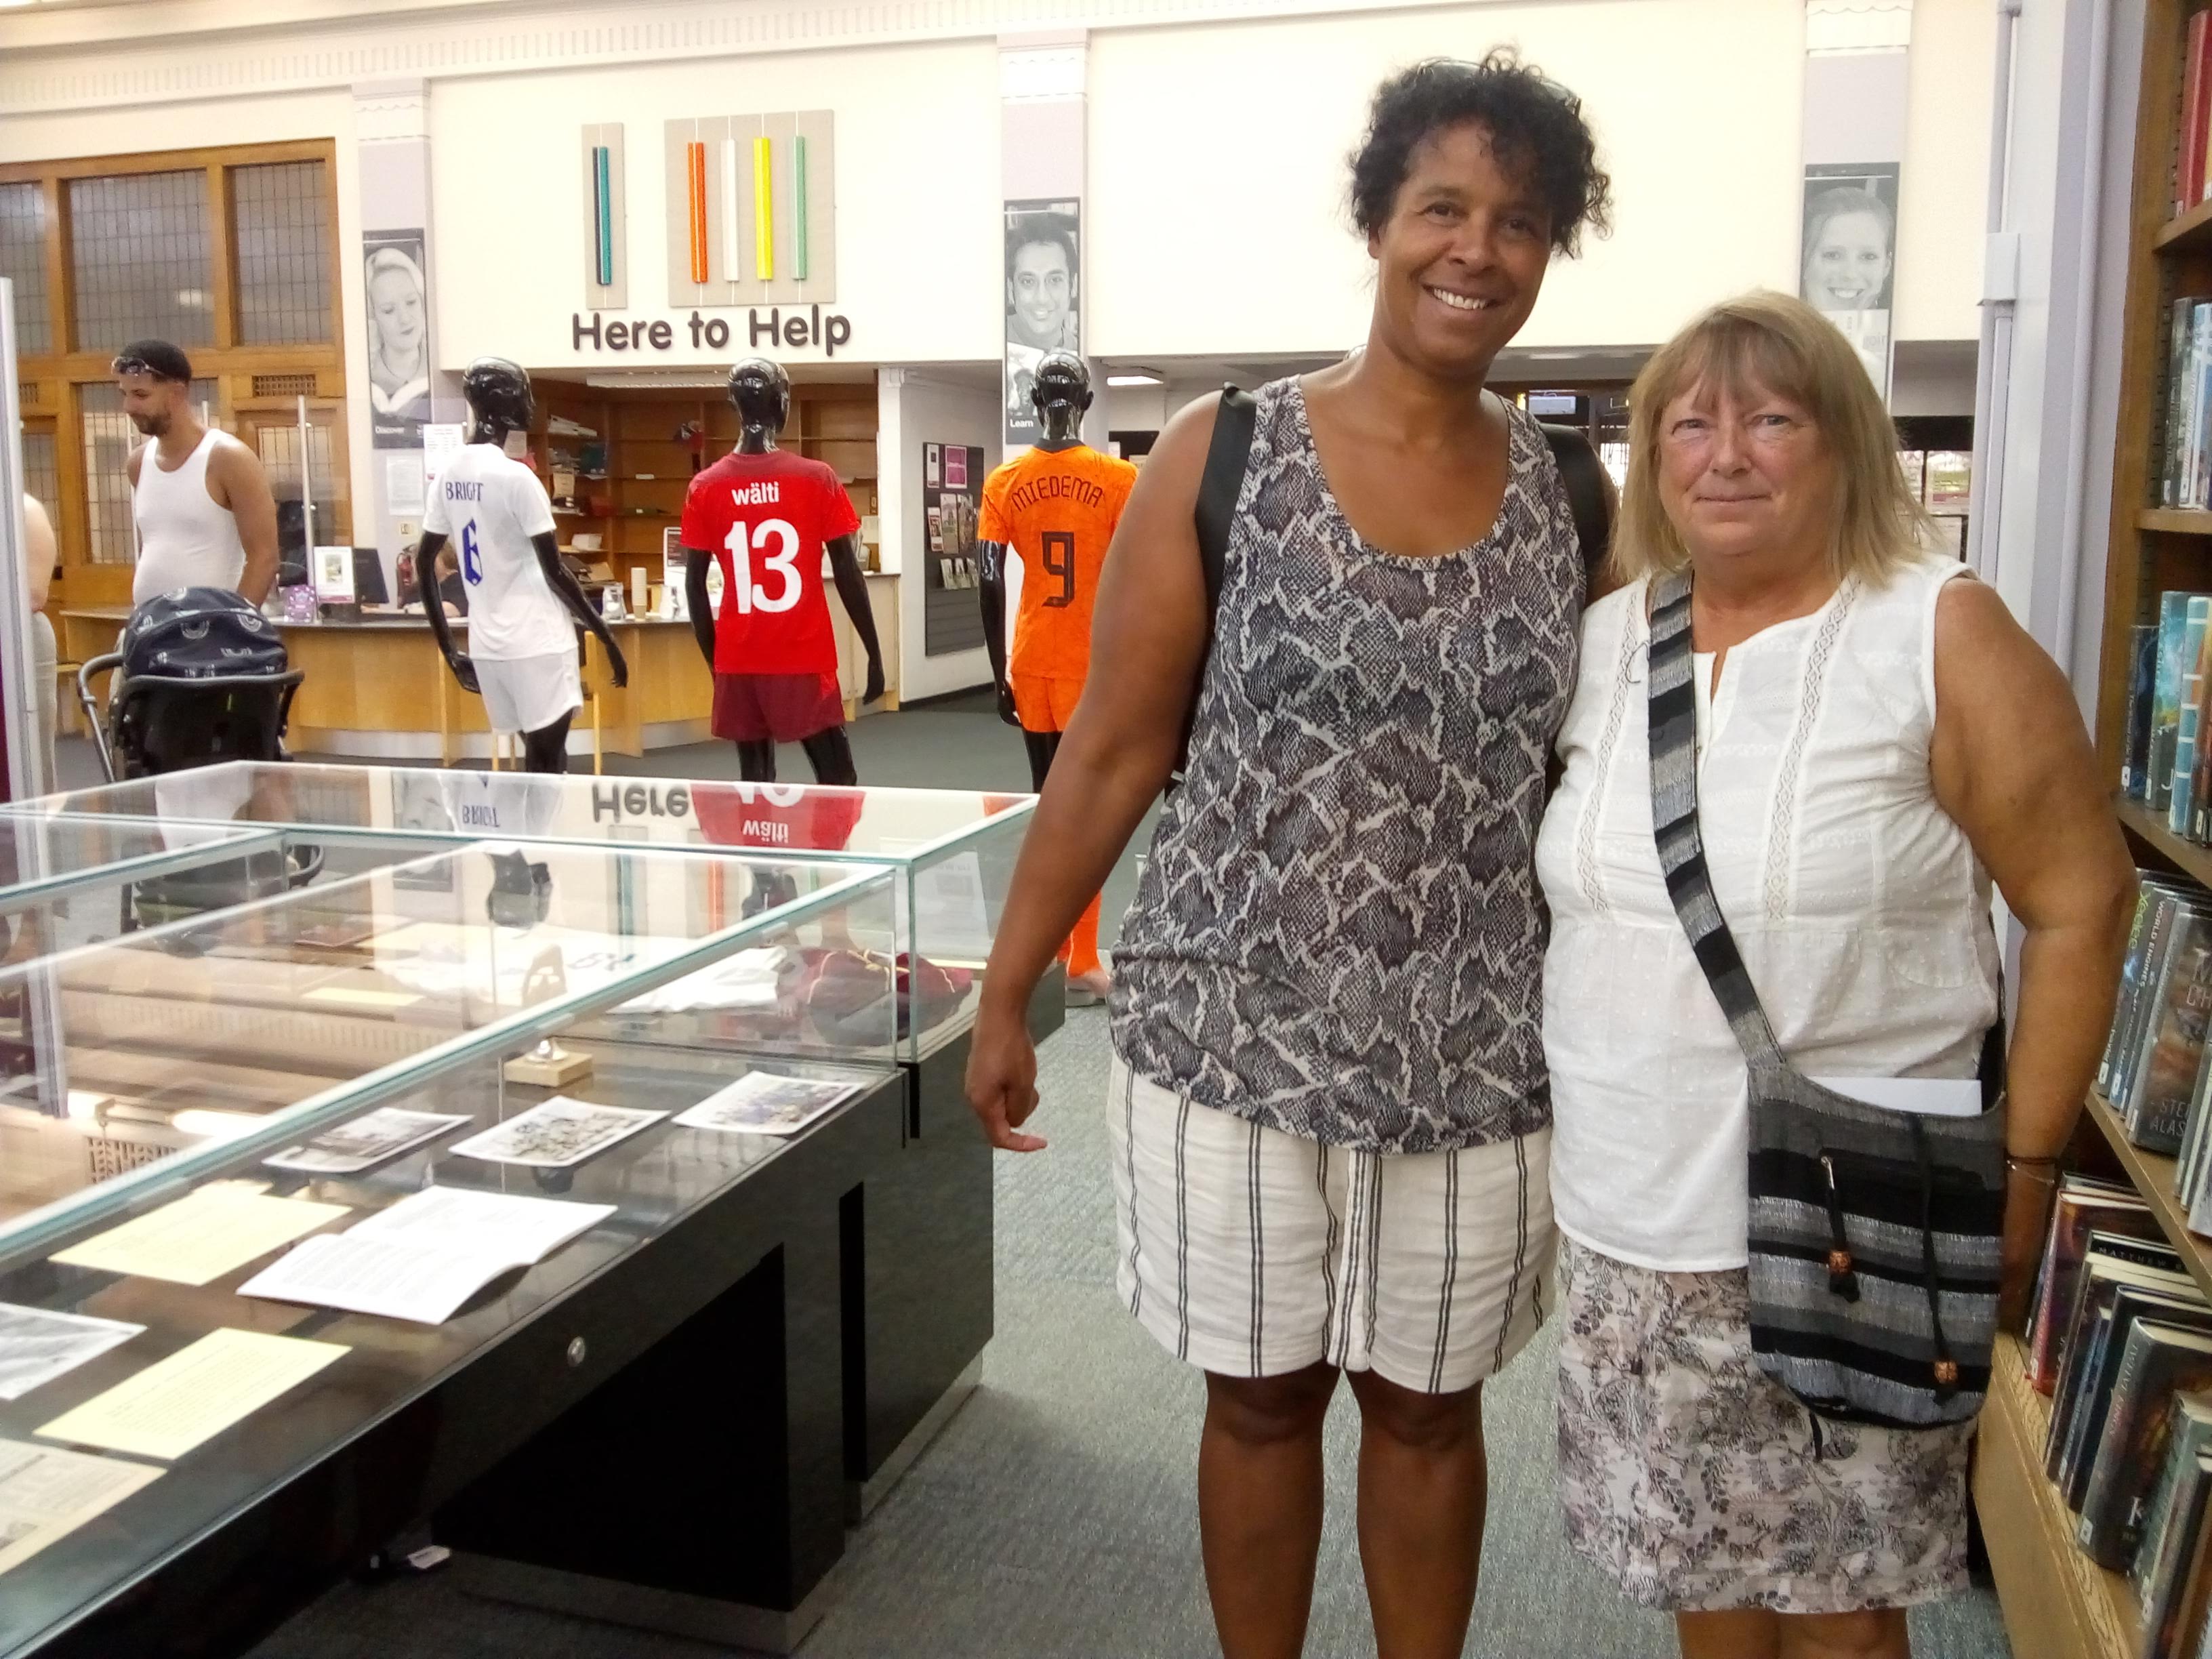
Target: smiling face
[[1848, 263], [1460, 259], [1039, 291], [1745, 475], [396, 304]]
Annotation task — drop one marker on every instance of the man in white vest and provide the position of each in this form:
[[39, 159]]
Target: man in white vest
[[205, 514]]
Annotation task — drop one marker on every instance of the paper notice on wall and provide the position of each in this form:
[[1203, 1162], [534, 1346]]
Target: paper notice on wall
[[402, 485], [46, 1493], [441, 443], [952, 924]]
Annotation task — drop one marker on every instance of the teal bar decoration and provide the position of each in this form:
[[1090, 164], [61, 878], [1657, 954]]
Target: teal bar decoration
[[603, 205], [798, 207]]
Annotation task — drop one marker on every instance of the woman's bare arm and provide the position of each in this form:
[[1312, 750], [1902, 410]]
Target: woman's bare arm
[[1148, 639], [2013, 766]]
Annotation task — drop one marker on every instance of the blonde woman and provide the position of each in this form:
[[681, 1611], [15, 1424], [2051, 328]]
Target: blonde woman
[[398, 362], [1876, 739]]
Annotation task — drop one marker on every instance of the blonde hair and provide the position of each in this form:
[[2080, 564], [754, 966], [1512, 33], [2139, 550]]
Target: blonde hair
[[1771, 345]]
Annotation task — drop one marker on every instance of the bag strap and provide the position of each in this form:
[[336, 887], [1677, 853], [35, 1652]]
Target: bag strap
[[1673, 734], [1589, 493], [1218, 486]]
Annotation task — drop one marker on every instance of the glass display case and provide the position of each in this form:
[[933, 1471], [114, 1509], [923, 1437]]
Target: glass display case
[[277, 1151], [953, 851]]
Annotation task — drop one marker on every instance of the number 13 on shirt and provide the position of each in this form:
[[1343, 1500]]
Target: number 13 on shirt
[[779, 543]]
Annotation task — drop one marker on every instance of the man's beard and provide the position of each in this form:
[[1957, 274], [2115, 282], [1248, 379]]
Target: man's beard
[[151, 426]]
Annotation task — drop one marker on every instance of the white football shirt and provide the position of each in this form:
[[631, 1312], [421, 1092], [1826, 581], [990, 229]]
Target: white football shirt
[[490, 508]]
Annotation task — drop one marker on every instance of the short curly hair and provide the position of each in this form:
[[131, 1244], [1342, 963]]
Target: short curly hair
[[1535, 127]]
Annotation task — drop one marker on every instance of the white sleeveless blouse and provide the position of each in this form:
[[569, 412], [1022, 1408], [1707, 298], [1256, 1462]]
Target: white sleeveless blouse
[[1861, 912]]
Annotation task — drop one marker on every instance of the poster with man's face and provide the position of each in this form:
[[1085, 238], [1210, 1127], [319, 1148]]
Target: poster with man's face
[[1044, 270], [398, 338], [1849, 255]]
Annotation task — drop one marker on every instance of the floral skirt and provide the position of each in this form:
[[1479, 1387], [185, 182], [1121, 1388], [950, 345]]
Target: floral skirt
[[1700, 1484]]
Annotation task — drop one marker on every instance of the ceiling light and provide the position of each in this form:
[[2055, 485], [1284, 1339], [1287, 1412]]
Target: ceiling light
[[1134, 380]]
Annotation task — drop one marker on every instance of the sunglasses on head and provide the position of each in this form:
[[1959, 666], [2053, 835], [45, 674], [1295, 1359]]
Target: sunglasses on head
[[135, 366]]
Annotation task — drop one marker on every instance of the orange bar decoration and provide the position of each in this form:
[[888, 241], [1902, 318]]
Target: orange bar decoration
[[695, 159]]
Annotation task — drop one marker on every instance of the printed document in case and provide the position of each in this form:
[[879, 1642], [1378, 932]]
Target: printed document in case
[[36, 1346], [425, 1256], [46, 1493], [202, 1235], [194, 1394]]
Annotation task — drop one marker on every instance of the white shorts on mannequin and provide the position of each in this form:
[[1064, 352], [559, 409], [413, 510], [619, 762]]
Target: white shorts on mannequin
[[1249, 1252], [528, 694]]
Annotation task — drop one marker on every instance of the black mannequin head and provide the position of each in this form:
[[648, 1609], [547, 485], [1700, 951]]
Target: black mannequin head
[[498, 394], [761, 392], [1061, 395]]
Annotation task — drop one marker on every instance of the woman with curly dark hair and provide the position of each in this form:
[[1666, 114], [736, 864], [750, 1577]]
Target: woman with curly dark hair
[[1329, 1107]]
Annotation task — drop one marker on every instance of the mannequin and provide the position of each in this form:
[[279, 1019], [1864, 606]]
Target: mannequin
[[1054, 507], [522, 653], [768, 516]]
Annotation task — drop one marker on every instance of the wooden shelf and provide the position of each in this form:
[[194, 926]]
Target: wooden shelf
[[2150, 829], [2175, 521], [2058, 1604], [2152, 1175], [2190, 233]]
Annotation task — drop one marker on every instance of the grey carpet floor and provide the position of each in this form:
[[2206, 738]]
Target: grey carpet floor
[[1055, 1516]]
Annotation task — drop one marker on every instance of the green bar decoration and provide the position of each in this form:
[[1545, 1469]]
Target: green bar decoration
[[604, 211]]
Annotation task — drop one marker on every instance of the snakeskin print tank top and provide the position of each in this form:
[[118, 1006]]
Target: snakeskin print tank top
[[1338, 933]]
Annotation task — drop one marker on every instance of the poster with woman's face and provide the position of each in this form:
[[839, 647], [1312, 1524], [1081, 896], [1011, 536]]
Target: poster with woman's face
[[1849, 255], [398, 338]]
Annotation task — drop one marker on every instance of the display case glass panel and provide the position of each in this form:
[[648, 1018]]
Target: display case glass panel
[[43, 858], [143, 1062], [955, 850]]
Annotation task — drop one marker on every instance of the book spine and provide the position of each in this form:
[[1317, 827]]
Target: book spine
[[2130, 979], [2180, 323], [2189, 183], [2142, 673], [2166, 710], [2158, 1512], [2179, 798], [2142, 1016]]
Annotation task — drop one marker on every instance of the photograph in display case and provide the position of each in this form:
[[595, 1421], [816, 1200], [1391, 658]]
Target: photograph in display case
[[37, 1346], [366, 1142], [558, 1134], [767, 1103]]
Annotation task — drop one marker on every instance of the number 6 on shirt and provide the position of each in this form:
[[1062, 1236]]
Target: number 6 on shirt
[[784, 560]]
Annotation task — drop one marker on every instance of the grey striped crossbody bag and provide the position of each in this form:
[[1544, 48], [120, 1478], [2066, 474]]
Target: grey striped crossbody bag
[[1875, 1235]]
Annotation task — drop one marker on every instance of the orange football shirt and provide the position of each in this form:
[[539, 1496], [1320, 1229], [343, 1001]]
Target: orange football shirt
[[1057, 510]]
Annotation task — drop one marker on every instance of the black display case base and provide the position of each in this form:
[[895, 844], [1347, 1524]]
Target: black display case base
[[863, 1495], [641, 1606]]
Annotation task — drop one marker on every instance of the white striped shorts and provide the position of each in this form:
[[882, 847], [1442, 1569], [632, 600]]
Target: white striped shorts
[[1252, 1253]]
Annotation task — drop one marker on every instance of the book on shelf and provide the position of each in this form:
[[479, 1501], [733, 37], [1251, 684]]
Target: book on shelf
[[2158, 1362], [2163, 1081], [2180, 339], [2176, 1598], [2083, 1206], [2151, 890], [2143, 660], [2189, 172], [2166, 1520], [2173, 619], [2121, 1279], [2173, 911]]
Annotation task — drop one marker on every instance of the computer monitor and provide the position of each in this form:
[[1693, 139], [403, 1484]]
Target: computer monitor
[[369, 577]]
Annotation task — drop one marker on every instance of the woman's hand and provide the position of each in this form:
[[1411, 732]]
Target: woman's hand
[[1002, 1077]]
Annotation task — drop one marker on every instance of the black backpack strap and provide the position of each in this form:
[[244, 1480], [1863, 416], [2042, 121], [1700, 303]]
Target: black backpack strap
[[1218, 487], [1589, 493]]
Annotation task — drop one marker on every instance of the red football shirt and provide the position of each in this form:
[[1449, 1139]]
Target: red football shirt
[[765, 518], [804, 817]]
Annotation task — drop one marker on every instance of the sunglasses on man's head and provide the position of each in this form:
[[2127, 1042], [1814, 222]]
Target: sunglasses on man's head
[[135, 366]]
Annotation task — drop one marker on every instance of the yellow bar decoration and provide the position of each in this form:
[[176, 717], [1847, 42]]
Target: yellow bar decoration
[[763, 212]]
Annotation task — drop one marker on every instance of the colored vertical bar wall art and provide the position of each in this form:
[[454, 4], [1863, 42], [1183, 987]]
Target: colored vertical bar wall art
[[763, 212], [798, 207], [731, 264], [695, 156], [602, 209]]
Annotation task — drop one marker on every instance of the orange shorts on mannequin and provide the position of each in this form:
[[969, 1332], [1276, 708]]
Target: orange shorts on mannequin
[[1048, 705]]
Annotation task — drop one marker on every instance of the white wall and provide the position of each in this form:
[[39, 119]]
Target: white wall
[[1943, 193], [919, 269], [929, 411]]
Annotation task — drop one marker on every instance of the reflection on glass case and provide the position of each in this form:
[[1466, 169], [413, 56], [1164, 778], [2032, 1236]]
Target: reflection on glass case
[[954, 850], [268, 1172]]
